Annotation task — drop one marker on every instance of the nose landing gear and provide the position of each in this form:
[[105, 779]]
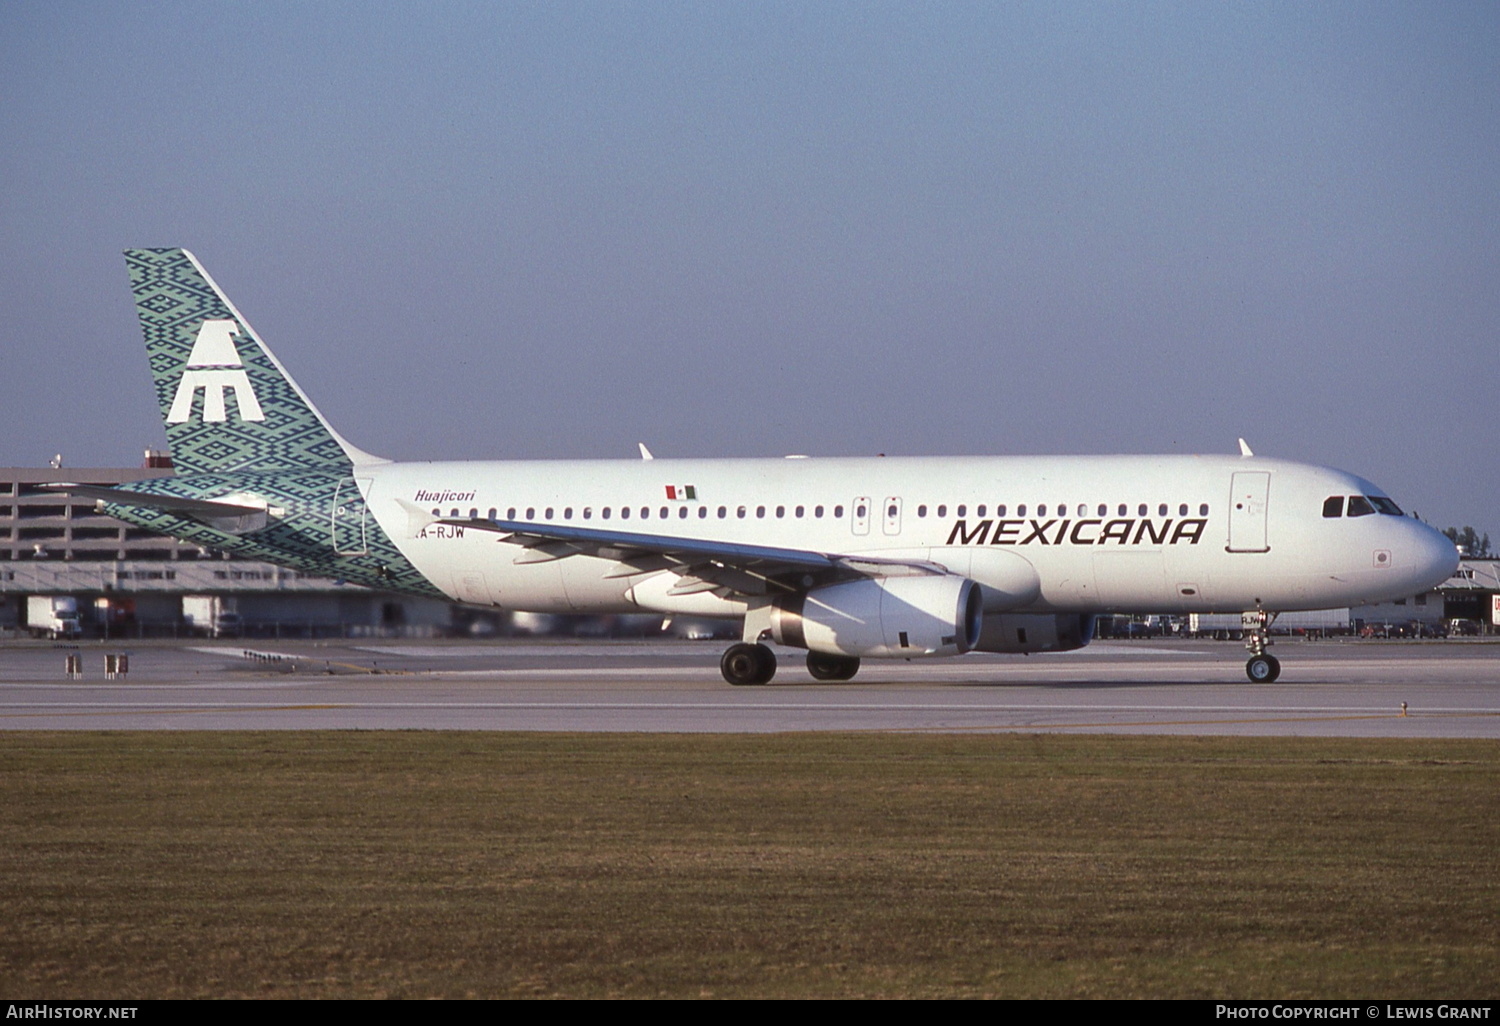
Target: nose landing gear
[[1261, 667]]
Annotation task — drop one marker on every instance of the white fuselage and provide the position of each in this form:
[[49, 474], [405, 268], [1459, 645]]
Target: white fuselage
[[1042, 533]]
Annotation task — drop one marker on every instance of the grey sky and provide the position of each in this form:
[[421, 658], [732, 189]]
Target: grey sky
[[522, 230]]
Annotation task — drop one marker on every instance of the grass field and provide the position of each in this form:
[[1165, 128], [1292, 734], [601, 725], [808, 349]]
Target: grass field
[[481, 864]]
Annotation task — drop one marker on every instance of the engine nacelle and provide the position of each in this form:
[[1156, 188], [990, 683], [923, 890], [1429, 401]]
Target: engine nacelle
[[1035, 632], [891, 617]]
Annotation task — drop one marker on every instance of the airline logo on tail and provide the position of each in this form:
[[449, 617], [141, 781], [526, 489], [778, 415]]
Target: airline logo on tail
[[214, 365]]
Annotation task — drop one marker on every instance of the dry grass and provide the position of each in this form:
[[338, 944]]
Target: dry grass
[[480, 864]]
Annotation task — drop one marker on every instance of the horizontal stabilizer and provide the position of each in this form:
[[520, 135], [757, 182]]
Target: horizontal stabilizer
[[229, 517], [417, 518]]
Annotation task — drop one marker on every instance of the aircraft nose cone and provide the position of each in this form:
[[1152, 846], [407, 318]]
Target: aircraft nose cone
[[1435, 558]]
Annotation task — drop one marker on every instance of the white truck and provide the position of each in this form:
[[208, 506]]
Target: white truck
[[52, 616], [1231, 625], [213, 615]]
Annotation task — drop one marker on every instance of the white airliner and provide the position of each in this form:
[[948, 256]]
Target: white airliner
[[887, 558]]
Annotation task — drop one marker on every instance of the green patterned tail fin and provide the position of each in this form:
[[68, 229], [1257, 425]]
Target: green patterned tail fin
[[226, 401]]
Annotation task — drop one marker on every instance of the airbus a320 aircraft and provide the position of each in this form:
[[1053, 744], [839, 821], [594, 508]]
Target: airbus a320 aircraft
[[879, 558]]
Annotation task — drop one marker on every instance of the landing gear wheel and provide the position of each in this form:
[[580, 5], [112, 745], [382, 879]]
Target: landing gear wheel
[[748, 664], [831, 667], [1263, 669]]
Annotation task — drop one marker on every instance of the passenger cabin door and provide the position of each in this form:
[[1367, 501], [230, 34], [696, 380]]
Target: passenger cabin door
[[1250, 495], [348, 527]]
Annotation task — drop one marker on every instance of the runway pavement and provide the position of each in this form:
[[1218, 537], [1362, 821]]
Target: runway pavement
[[1335, 688]]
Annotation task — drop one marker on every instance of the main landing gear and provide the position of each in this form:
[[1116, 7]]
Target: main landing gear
[[1261, 667], [756, 664], [823, 666], [748, 664]]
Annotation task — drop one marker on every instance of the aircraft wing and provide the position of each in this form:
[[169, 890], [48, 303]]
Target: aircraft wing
[[704, 564]]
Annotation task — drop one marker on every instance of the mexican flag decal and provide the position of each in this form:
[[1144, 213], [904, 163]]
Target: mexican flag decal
[[682, 493]]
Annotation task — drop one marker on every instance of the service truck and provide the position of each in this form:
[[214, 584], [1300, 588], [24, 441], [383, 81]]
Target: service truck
[[52, 616], [1233, 625], [213, 615]]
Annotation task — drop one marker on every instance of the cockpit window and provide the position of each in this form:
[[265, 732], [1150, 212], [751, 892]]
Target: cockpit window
[[1359, 506], [1386, 506], [1333, 506]]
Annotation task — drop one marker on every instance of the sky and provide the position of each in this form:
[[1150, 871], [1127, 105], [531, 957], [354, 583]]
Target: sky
[[524, 230]]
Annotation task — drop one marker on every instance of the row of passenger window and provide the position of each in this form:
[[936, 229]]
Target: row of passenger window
[[799, 512], [1061, 510], [683, 512]]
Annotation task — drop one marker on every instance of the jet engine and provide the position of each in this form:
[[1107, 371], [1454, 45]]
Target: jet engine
[[1035, 632], [888, 616]]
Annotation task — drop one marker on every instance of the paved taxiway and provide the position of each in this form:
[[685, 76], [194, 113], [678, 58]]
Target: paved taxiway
[[1349, 689]]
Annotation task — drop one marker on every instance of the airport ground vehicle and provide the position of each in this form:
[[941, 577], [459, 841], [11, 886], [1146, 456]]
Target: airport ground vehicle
[[52, 616], [215, 616]]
